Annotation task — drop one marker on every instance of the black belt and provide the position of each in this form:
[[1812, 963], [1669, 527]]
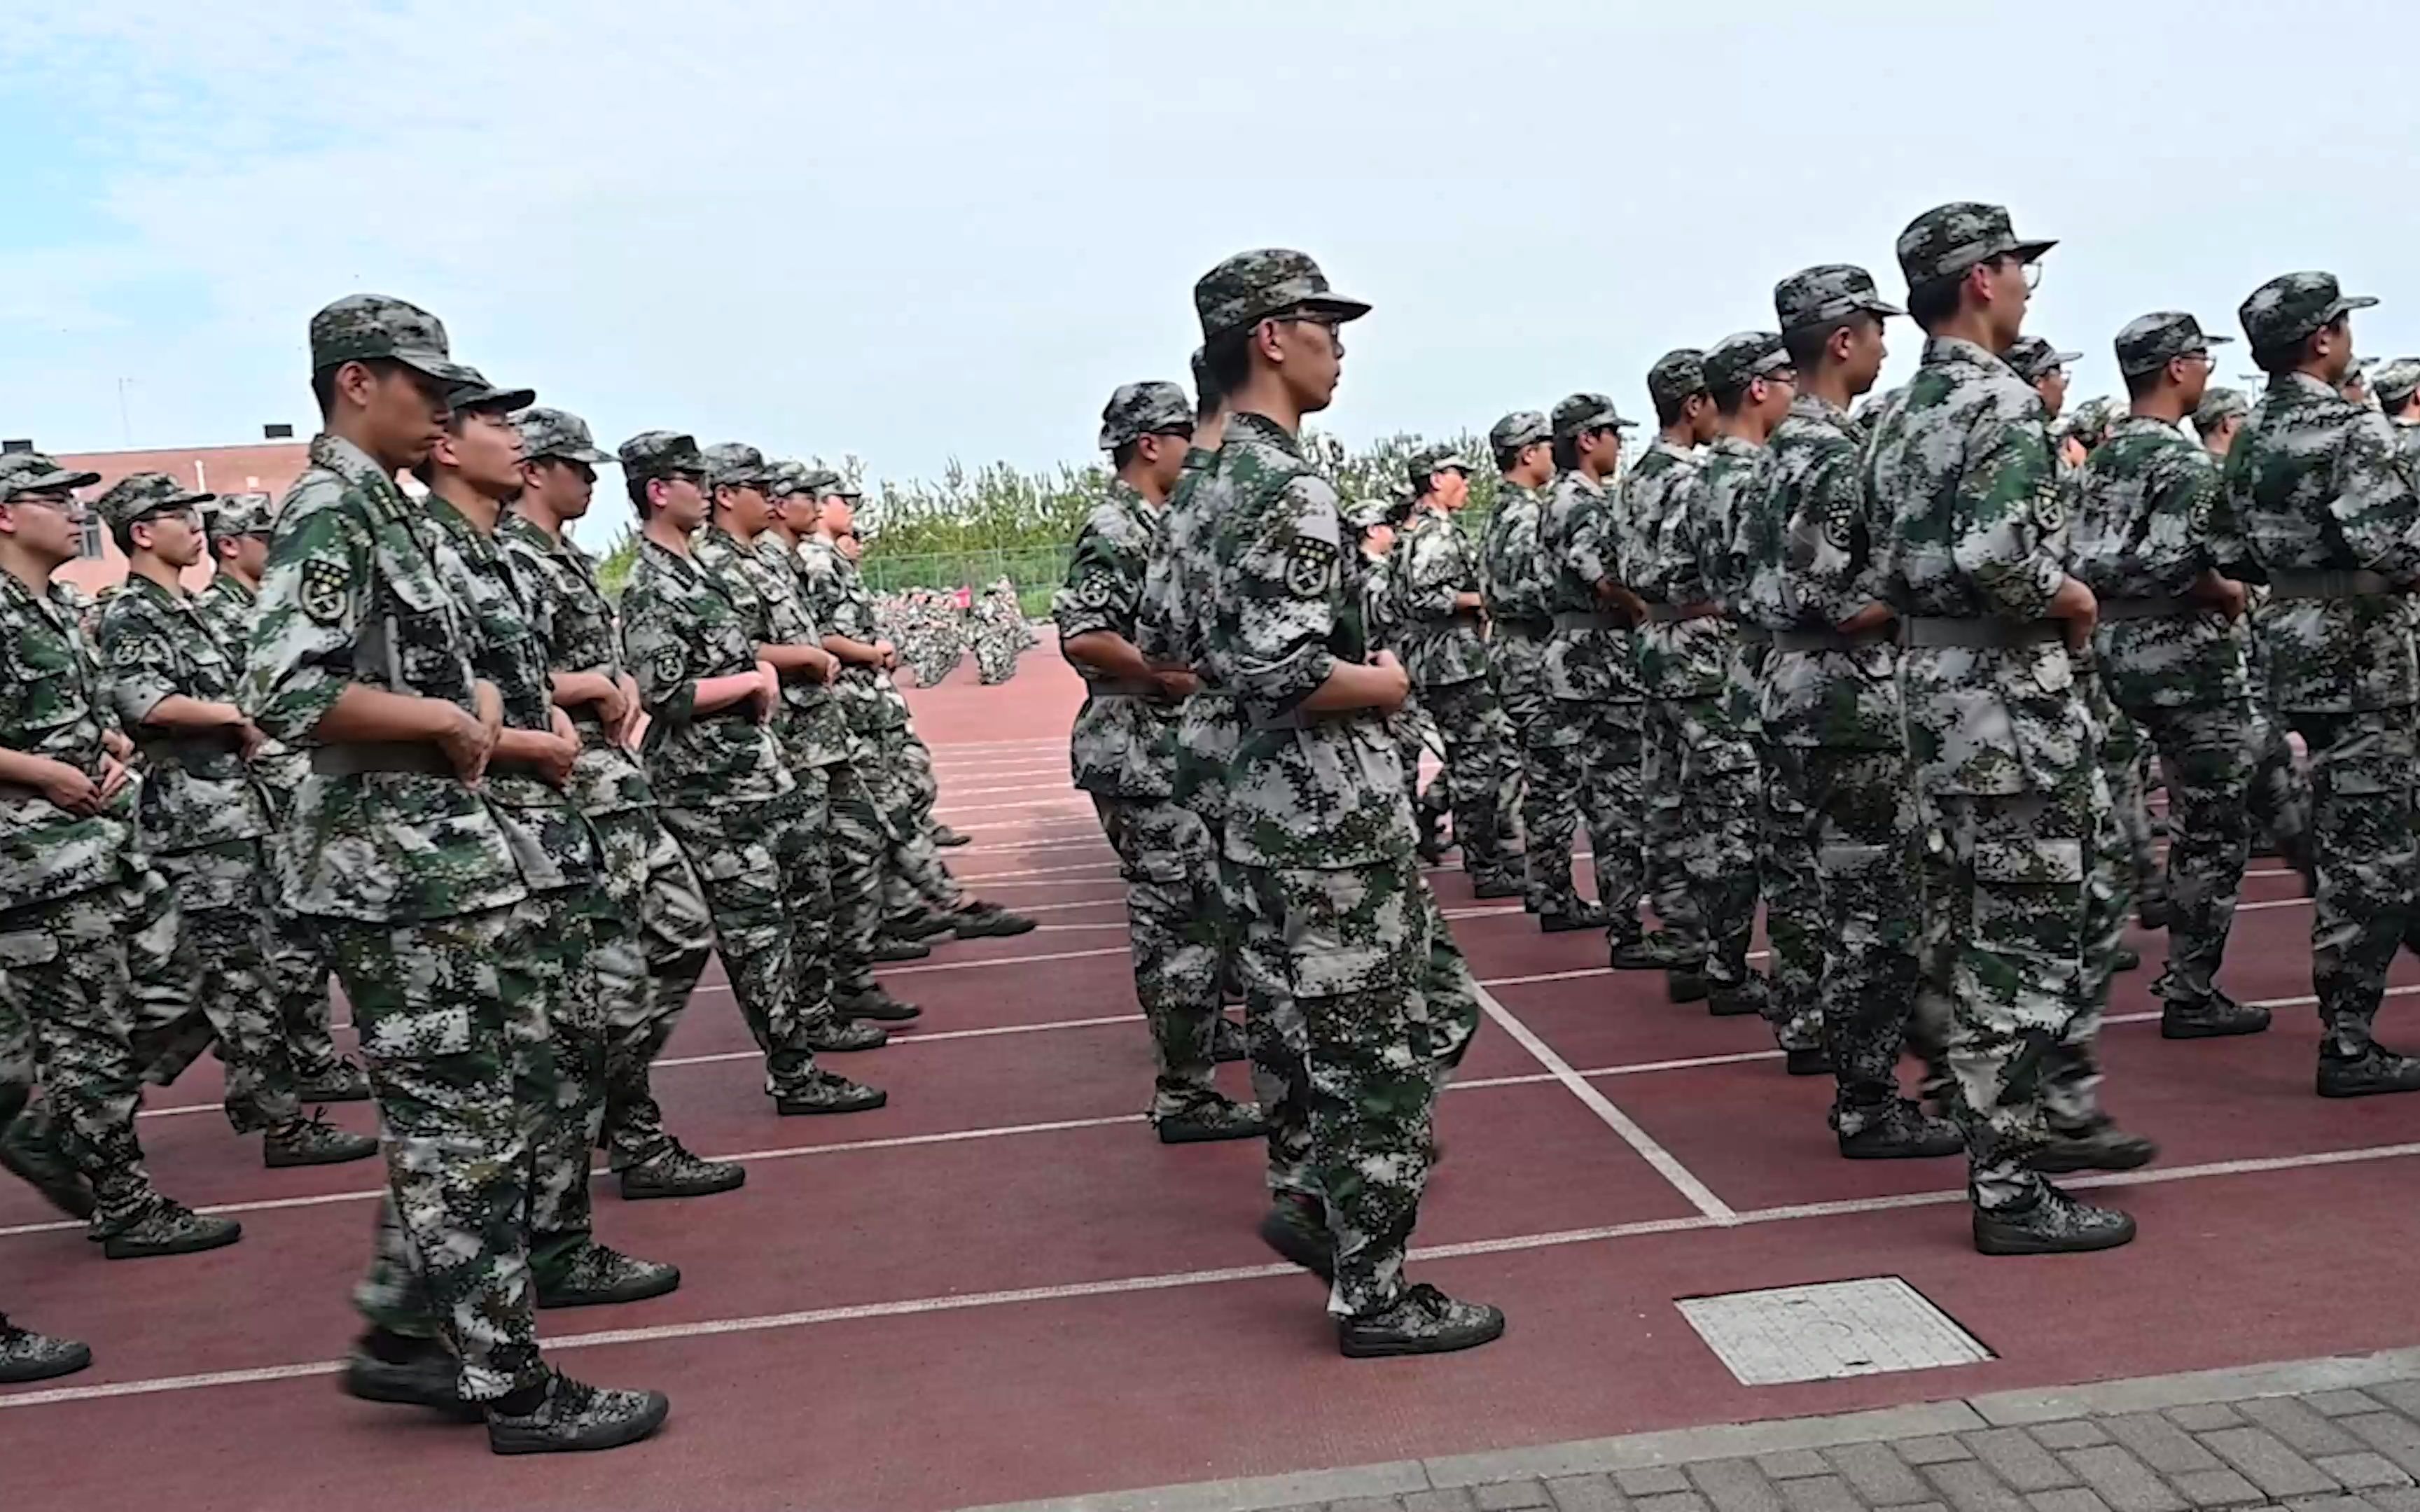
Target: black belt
[[2114, 611], [379, 756], [1826, 640], [1978, 634], [1527, 624], [1581, 619], [2329, 584], [1754, 635], [1119, 688]]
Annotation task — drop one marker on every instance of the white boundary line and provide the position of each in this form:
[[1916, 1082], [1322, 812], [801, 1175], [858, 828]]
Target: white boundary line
[[1170, 1281]]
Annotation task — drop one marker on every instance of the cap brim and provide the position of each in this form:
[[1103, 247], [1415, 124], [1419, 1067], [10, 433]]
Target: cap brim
[[443, 369], [491, 398], [2028, 251], [1879, 306], [2063, 359], [2209, 339], [589, 455], [2348, 302], [62, 479]]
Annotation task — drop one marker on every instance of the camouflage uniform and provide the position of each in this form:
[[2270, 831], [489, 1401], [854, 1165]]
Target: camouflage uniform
[[1963, 492], [201, 816], [720, 783], [1593, 750], [1445, 651], [1514, 579], [88, 929], [297, 968], [1001, 633], [2145, 532], [1122, 753], [1831, 718], [2329, 516]]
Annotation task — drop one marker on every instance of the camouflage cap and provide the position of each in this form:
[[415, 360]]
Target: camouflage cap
[[1948, 239], [1737, 360], [662, 454], [242, 514], [2090, 421], [1429, 461], [2290, 306], [1585, 411], [738, 465], [2035, 358], [1139, 410], [1522, 427], [1366, 515], [559, 433], [24, 472], [1253, 286], [474, 391], [791, 480], [2218, 406], [2150, 341], [1674, 377], [2396, 382], [1827, 292], [832, 486], [362, 326], [142, 495]]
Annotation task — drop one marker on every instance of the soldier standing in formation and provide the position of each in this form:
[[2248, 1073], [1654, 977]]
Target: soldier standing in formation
[[1514, 582]]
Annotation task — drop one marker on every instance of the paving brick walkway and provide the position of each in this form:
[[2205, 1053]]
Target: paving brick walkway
[[2334, 1435]]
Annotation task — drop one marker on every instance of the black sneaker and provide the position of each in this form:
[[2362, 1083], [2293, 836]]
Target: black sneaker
[[2102, 1146], [1658, 951], [170, 1229], [1209, 1122], [342, 1082], [2051, 1223], [1569, 917], [843, 1035], [889, 949], [1297, 1229], [2154, 912], [576, 1417], [950, 840], [1490, 889], [876, 1004], [1423, 1320], [1904, 1131], [922, 926], [677, 1173], [1811, 1062], [1227, 1042], [430, 1377], [2125, 957], [25, 1355], [46, 1168], [1685, 986], [2218, 1018], [982, 921], [823, 1092], [314, 1141], [2366, 1076], [1732, 1002], [600, 1275]]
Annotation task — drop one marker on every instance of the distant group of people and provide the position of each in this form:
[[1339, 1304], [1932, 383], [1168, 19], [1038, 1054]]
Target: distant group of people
[[935, 627]]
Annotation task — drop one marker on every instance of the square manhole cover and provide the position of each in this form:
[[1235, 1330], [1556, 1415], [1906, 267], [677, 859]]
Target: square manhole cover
[[1829, 1332]]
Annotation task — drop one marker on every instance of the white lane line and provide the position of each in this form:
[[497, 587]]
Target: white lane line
[[1700, 1196], [1110, 865], [1064, 804], [1060, 787], [1119, 924], [1226, 1276]]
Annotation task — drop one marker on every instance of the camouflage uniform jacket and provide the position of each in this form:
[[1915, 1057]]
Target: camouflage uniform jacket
[[553, 843], [228, 606], [353, 594], [560, 582], [2313, 483], [1810, 564], [837, 600], [1963, 498], [1707, 529], [2146, 510], [1168, 622], [197, 790], [52, 704], [1124, 742], [1677, 659], [1578, 535], [1323, 791], [1440, 644], [681, 624], [813, 727], [1513, 575]]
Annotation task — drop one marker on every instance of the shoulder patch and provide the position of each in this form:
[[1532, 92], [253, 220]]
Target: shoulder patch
[[324, 591], [2050, 511], [127, 652], [1840, 524], [1096, 590], [671, 666], [1310, 568]]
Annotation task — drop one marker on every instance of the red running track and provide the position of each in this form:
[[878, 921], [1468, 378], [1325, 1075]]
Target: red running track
[[1001, 1287]]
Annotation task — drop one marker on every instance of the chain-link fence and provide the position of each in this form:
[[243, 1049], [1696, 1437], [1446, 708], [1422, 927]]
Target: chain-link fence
[[1036, 570]]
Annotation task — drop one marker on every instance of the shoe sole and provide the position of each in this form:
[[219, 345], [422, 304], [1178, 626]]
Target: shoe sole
[[1820, 1068], [369, 1389], [2115, 1238], [2056, 1165], [738, 1180], [2198, 1031], [902, 1014], [822, 1049], [109, 1249], [2369, 1091], [1565, 924], [608, 1299], [892, 958], [65, 1365], [309, 1095], [1444, 1344], [804, 1111], [1196, 1134], [286, 1163], [630, 1432], [1904, 1152], [993, 932], [76, 1202]]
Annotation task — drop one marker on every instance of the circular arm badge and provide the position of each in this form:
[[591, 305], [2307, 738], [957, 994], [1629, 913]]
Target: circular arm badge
[[323, 592]]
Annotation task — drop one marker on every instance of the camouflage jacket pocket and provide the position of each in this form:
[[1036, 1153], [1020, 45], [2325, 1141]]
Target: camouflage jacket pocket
[[2058, 863], [22, 948]]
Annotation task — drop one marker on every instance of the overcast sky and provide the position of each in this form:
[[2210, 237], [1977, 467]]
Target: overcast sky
[[915, 231]]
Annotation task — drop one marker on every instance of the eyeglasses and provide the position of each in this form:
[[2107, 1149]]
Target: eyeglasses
[[2032, 270], [75, 509], [1332, 324]]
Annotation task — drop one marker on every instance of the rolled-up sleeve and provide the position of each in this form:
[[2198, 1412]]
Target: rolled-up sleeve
[[314, 598]]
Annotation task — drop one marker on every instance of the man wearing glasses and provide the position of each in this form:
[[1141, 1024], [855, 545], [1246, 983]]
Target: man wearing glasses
[[202, 817], [1965, 499]]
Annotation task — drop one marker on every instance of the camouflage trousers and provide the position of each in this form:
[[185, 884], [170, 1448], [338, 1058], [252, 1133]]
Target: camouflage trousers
[[860, 851], [1702, 831], [1519, 652], [1478, 741], [2206, 756], [100, 980], [2007, 918], [2363, 856], [1785, 872], [2277, 785], [441, 1004], [299, 968], [1856, 817], [2129, 864], [1172, 918], [899, 778], [996, 652], [222, 895], [1345, 951], [744, 854], [650, 946], [1594, 766]]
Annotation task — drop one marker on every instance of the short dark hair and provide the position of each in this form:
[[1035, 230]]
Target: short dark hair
[[1567, 451], [1729, 398], [1206, 394], [1509, 458], [1934, 301], [1670, 407], [1808, 343], [2139, 384], [2206, 428], [1122, 454], [323, 381], [2284, 355], [123, 532], [1228, 360], [637, 487]]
